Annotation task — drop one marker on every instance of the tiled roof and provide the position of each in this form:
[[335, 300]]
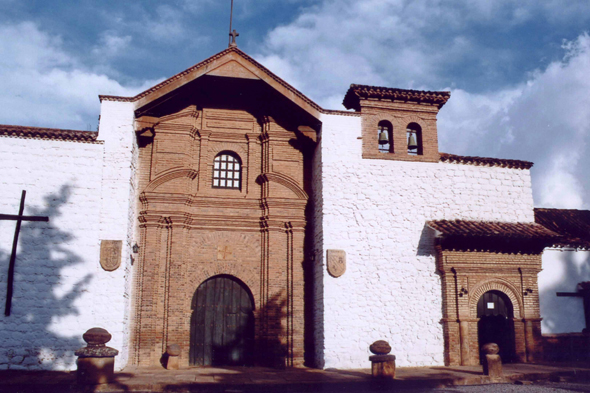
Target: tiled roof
[[48, 133], [485, 161], [492, 229], [573, 225], [356, 92]]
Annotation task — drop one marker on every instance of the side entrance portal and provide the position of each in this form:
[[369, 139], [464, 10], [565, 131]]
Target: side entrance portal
[[496, 323], [222, 323]]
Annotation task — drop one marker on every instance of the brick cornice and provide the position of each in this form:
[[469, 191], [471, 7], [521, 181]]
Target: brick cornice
[[356, 93], [225, 223]]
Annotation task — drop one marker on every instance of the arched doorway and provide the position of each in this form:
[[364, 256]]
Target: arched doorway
[[222, 323], [496, 323]]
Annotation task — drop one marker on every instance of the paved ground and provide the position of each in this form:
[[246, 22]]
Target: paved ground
[[571, 377]]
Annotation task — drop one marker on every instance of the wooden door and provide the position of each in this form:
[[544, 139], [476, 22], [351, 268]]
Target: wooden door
[[222, 324], [496, 324]]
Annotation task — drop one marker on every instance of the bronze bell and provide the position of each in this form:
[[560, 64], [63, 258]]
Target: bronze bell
[[383, 137], [412, 142]]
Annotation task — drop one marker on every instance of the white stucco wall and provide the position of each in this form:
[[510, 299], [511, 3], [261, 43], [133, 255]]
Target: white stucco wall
[[563, 269], [60, 289], [376, 211], [118, 218]]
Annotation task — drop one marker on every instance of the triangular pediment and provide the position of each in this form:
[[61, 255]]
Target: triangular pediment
[[230, 63], [233, 69]]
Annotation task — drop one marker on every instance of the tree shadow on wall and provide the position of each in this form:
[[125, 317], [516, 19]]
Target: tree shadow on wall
[[273, 345], [574, 273], [43, 292]]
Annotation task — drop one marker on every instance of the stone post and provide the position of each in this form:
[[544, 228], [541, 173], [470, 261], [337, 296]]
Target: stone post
[[172, 352], [492, 363], [382, 364], [464, 334], [96, 362]]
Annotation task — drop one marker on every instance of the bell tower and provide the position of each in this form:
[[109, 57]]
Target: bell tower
[[397, 124]]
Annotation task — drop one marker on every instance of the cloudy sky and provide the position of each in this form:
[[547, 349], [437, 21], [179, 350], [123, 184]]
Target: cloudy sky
[[518, 70]]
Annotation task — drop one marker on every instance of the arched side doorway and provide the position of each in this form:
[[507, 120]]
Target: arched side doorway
[[222, 323], [496, 323]]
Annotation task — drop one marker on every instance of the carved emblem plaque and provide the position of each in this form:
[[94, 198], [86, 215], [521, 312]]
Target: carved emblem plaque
[[110, 254], [336, 262]]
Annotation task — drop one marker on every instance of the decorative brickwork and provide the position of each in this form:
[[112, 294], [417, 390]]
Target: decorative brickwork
[[466, 277], [357, 93], [192, 231], [400, 115]]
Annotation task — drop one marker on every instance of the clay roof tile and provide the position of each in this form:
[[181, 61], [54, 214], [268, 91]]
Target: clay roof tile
[[492, 229], [572, 225], [48, 133]]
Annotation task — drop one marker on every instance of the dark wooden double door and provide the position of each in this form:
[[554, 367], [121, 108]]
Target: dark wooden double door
[[222, 324], [496, 323]]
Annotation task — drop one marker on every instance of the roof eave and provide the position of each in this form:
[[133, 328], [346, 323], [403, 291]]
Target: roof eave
[[214, 62]]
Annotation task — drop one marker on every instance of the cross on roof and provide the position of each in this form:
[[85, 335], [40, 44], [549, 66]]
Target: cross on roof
[[19, 219], [233, 36]]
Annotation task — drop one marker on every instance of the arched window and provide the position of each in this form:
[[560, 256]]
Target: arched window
[[414, 138], [227, 171], [385, 136]]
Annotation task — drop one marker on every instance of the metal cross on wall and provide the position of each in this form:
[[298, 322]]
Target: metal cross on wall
[[19, 219]]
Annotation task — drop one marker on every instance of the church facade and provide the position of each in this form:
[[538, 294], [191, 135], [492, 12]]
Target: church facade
[[224, 211]]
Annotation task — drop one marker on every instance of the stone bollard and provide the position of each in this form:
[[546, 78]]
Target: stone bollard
[[492, 363], [382, 364], [96, 362], [173, 352]]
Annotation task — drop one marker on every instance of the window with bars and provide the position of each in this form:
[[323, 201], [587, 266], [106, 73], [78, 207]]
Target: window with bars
[[227, 171]]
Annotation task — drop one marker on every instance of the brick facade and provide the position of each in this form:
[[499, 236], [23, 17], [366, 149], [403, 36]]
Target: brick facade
[[466, 276], [400, 115], [191, 231]]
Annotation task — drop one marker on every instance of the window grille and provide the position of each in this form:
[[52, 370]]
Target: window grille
[[227, 172]]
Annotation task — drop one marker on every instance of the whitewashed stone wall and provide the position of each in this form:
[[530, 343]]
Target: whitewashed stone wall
[[376, 211], [563, 269], [60, 289], [118, 220]]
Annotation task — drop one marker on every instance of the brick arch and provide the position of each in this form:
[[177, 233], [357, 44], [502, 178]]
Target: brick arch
[[496, 285], [237, 148], [169, 175], [285, 181], [413, 119], [234, 269], [248, 286]]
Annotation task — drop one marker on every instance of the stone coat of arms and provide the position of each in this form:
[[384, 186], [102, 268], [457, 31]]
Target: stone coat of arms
[[336, 262]]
